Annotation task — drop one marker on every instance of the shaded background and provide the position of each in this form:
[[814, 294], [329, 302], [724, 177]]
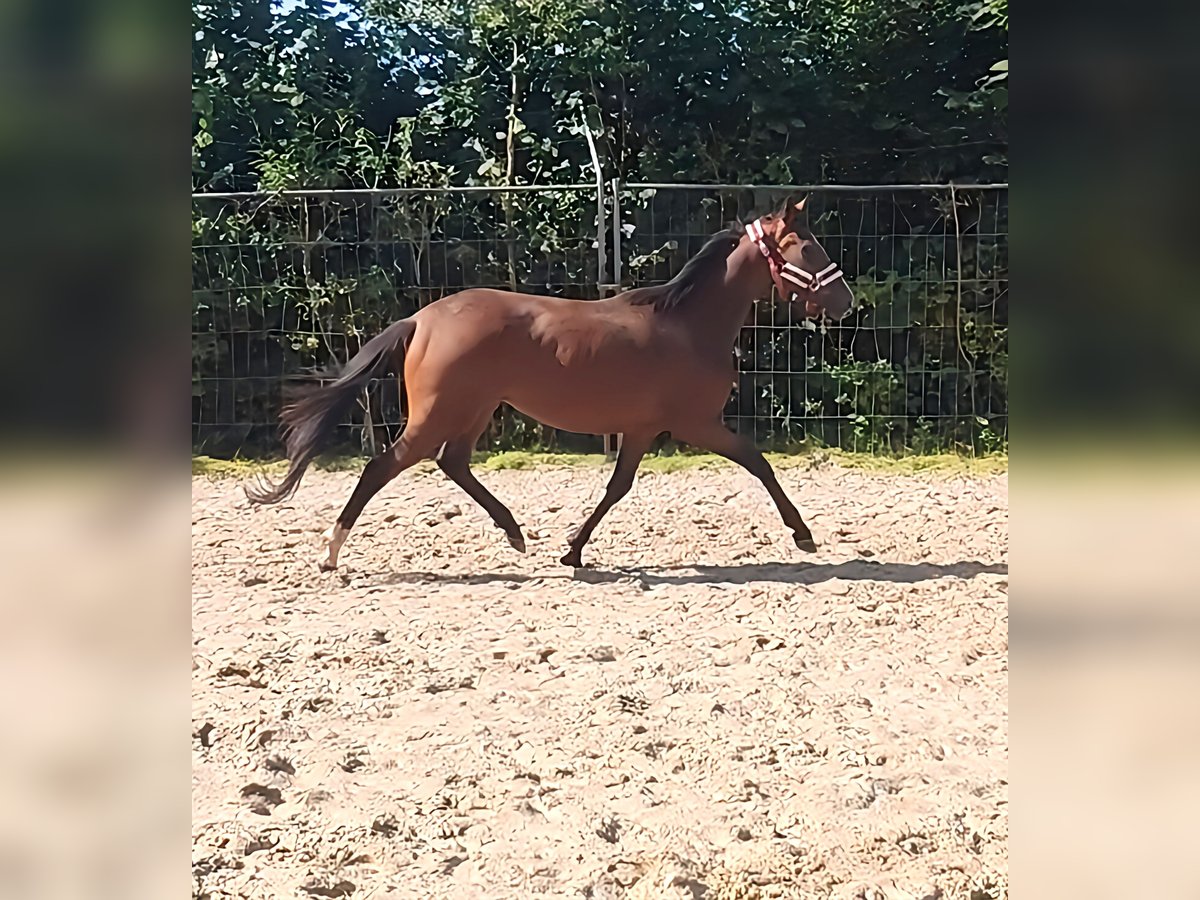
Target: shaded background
[[364, 97]]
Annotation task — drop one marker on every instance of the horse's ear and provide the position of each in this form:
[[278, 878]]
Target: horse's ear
[[799, 207], [787, 212]]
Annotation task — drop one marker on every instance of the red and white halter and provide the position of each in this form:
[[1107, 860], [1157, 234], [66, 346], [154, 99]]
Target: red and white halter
[[781, 268]]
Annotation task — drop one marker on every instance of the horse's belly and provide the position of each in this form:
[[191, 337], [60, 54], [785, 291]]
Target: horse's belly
[[589, 399], [609, 400], [592, 413]]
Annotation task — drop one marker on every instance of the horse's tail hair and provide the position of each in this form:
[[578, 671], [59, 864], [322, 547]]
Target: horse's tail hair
[[311, 412]]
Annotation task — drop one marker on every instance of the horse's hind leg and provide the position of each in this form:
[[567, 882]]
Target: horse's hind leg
[[411, 448], [455, 461]]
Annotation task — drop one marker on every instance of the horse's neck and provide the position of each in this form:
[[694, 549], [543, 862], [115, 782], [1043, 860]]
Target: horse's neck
[[718, 312]]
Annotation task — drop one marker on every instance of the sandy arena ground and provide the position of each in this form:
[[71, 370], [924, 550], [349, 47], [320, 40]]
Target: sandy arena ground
[[705, 712]]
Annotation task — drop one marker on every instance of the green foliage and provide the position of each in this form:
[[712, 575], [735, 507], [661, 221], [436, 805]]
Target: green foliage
[[836, 90]]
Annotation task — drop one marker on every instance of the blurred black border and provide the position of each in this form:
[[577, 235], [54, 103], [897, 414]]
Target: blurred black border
[[94, 131], [1105, 411], [95, 370], [1104, 177]]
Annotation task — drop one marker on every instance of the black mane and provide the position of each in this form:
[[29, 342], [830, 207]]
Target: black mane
[[697, 269]]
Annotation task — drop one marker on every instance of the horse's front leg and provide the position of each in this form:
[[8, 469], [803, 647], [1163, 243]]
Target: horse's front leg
[[715, 437]]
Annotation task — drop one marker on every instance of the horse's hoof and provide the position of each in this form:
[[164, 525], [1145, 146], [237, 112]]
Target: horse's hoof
[[808, 545], [518, 542], [327, 566], [574, 559]]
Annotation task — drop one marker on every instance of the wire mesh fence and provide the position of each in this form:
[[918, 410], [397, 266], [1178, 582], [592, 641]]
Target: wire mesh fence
[[285, 284], [921, 364]]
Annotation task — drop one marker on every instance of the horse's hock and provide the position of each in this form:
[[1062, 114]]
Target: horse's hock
[[705, 709]]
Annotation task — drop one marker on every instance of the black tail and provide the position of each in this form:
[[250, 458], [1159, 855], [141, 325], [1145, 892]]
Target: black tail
[[312, 412]]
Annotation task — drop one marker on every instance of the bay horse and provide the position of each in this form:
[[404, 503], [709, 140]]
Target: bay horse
[[649, 361]]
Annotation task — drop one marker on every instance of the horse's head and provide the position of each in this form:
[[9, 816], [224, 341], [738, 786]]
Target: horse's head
[[800, 267]]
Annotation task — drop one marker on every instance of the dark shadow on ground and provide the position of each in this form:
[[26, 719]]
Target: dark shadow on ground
[[798, 573], [779, 573]]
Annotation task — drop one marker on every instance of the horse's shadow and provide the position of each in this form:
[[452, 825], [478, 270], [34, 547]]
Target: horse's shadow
[[778, 573], [797, 573]]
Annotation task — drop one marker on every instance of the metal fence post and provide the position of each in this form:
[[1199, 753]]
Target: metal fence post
[[615, 187], [601, 264], [612, 442]]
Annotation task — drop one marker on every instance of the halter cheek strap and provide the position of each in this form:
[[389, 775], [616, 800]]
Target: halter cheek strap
[[781, 268]]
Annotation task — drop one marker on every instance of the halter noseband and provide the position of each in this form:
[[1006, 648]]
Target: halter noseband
[[781, 268]]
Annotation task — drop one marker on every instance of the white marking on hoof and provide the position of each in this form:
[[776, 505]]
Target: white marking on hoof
[[334, 536]]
